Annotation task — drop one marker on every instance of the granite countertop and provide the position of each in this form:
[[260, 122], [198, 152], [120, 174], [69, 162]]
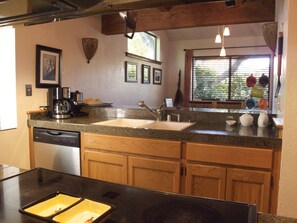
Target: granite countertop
[[268, 218], [7, 171], [38, 183], [201, 132]]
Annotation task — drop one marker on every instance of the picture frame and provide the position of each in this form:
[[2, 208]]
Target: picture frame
[[145, 74], [157, 76], [48, 67], [131, 72]]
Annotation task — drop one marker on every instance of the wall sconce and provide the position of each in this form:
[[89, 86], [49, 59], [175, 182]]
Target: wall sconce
[[130, 18], [270, 35], [90, 47]]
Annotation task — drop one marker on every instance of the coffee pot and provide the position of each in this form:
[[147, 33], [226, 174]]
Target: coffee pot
[[76, 101], [59, 102]]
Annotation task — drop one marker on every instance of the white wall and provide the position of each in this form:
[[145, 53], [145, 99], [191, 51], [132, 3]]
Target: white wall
[[103, 77], [288, 181]]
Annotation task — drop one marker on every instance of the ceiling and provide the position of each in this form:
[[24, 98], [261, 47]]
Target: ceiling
[[236, 30]]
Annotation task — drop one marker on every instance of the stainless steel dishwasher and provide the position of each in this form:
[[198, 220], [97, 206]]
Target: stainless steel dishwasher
[[57, 150]]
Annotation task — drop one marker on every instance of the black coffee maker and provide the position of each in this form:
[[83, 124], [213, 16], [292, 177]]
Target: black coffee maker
[[59, 102], [76, 102]]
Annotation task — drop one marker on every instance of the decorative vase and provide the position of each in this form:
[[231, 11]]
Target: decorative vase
[[246, 120], [263, 120]]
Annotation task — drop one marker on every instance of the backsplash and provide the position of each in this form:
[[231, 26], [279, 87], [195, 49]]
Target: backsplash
[[204, 115]]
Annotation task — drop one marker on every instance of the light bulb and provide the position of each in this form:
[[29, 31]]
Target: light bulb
[[123, 14], [223, 52], [218, 38], [226, 31]]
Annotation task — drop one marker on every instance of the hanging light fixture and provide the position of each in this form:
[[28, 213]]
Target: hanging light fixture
[[226, 31], [218, 37], [223, 51], [130, 19]]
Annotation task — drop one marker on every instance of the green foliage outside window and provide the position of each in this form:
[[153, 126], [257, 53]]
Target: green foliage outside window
[[225, 79]]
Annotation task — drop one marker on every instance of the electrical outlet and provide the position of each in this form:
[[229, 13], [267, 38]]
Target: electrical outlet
[[28, 90]]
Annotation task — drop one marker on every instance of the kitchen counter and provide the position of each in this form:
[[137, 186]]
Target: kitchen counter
[[9, 171], [132, 204], [201, 131]]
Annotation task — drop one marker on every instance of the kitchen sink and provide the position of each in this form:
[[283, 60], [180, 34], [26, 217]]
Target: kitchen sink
[[146, 124], [125, 122], [176, 126]]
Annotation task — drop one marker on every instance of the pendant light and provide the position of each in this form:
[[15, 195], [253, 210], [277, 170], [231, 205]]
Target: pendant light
[[223, 51], [226, 31], [218, 37]]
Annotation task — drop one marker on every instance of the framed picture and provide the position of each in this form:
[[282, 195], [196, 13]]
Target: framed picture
[[145, 74], [130, 71], [157, 76], [48, 67]]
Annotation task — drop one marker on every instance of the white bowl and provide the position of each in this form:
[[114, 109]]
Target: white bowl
[[230, 122]]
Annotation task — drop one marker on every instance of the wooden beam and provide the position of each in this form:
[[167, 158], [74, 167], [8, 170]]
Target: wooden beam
[[193, 15]]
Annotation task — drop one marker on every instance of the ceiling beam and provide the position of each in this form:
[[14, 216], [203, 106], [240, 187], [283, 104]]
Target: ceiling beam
[[193, 15]]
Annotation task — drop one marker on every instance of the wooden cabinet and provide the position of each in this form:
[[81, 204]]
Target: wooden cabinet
[[145, 163], [230, 173], [154, 174], [249, 186], [206, 181], [214, 171], [229, 184], [106, 166]]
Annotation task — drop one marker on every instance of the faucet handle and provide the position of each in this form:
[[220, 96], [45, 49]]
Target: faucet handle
[[160, 108], [177, 116], [141, 103], [168, 118]]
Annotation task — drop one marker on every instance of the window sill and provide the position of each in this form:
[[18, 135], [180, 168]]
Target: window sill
[[143, 58]]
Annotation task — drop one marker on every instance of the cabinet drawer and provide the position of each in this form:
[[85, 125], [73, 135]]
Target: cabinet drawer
[[150, 147], [242, 156]]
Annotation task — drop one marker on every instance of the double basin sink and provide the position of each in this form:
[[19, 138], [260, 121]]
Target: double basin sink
[[145, 124]]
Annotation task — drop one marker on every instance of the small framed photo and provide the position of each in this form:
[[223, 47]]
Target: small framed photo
[[130, 72], [157, 76], [145, 74], [48, 67]]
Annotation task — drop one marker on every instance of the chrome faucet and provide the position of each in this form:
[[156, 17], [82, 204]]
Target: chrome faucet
[[173, 114], [156, 114]]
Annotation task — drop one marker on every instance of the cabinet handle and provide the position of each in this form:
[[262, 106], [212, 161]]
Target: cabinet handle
[[183, 171]]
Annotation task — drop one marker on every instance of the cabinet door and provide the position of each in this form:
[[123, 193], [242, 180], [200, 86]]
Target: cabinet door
[[105, 166], [249, 186], [206, 181], [154, 174]]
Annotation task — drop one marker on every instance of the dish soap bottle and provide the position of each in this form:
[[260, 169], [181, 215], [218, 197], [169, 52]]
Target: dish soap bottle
[[263, 120]]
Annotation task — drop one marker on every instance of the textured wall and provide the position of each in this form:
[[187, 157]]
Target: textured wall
[[288, 182], [103, 77]]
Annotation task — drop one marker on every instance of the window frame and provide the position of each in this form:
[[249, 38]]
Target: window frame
[[230, 57], [143, 58]]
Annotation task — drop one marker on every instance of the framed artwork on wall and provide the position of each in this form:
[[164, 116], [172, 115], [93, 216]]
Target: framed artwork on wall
[[48, 67], [145, 74], [131, 72], [157, 76]]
